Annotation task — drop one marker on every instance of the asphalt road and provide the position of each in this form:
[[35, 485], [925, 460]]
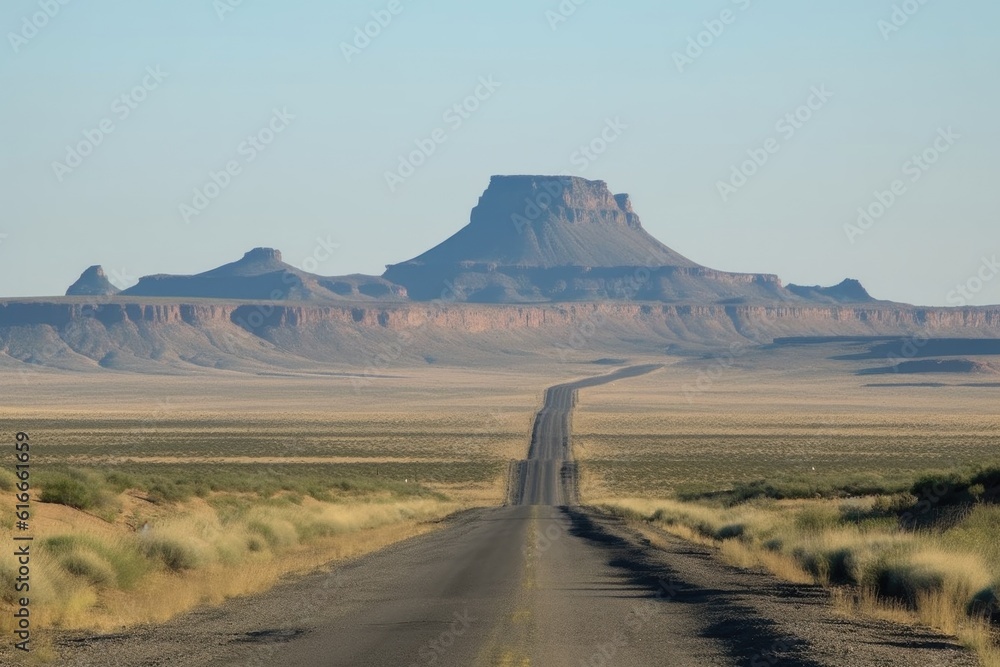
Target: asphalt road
[[538, 582], [548, 475]]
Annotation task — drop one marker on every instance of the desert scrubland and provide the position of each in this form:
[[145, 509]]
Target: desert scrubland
[[884, 491], [155, 494]]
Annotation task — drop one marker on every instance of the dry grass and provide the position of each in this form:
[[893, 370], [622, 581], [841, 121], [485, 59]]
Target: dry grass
[[770, 418], [201, 553], [649, 436], [932, 576], [166, 593], [243, 473], [803, 428], [976, 635], [450, 430]]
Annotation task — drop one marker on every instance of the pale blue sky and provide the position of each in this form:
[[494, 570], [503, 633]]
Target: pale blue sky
[[323, 176]]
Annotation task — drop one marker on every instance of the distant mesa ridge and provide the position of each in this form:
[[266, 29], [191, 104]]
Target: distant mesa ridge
[[180, 336], [262, 275], [563, 238], [548, 222], [850, 290], [530, 239], [564, 270]]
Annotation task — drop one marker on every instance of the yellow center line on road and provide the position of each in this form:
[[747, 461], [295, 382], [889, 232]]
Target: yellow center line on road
[[511, 640]]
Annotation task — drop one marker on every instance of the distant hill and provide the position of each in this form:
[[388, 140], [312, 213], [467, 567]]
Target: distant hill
[[92, 282], [547, 267], [549, 222], [560, 238], [261, 275], [849, 291], [530, 239]]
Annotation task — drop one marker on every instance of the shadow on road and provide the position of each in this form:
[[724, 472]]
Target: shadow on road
[[748, 639]]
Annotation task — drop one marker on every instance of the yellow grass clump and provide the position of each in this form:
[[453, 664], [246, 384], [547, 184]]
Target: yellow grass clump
[[941, 578], [98, 577]]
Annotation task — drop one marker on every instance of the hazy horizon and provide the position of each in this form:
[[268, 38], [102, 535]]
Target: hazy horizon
[[199, 78]]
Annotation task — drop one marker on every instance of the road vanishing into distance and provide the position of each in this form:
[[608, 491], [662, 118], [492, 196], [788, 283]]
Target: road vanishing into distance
[[548, 475], [539, 582]]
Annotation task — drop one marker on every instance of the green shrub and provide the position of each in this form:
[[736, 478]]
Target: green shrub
[[730, 531], [988, 480], [80, 490], [836, 566], [986, 604], [977, 532], [775, 544], [804, 487], [278, 534], [90, 566], [8, 579], [310, 530], [61, 544], [77, 553], [173, 553], [120, 482], [905, 582], [817, 519], [163, 492], [65, 490]]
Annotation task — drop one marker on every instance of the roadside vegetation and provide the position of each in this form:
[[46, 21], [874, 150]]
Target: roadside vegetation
[[927, 553], [119, 548], [89, 488]]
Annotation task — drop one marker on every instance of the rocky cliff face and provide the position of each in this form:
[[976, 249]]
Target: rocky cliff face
[[543, 222], [147, 337], [554, 238], [547, 265], [539, 201]]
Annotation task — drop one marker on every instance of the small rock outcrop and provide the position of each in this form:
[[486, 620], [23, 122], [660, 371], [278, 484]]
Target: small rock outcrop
[[92, 282], [849, 291], [262, 275]]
